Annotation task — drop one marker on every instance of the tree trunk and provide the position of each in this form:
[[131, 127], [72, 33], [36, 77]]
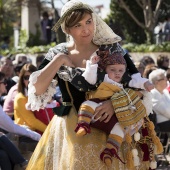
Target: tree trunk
[[149, 37]]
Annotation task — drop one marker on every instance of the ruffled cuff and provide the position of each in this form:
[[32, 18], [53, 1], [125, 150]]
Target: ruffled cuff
[[90, 73], [137, 81], [147, 101], [36, 102]]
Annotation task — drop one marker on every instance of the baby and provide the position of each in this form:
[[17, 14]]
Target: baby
[[128, 107]]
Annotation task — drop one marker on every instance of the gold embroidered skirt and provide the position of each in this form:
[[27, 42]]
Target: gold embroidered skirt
[[60, 148]]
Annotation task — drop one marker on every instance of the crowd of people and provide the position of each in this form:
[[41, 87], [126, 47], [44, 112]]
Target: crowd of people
[[85, 105], [15, 119], [162, 30]]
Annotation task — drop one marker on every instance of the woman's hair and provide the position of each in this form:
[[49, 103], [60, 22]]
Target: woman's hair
[[75, 17], [168, 74], [2, 76], [161, 59], [156, 75], [26, 68], [146, 60], [148, 69]]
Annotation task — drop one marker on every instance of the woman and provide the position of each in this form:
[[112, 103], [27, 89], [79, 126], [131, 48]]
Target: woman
[[62, 150], [163, 62], [9, 154], [23, 116], [161, 99]]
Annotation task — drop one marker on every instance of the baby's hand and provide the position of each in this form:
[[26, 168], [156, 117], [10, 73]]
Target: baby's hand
[[148, 86], [94, 59]]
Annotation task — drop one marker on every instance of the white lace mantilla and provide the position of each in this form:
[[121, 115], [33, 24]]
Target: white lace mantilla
[[36, 102]]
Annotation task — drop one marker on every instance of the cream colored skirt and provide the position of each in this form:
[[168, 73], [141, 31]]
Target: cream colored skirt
[[60, 149]]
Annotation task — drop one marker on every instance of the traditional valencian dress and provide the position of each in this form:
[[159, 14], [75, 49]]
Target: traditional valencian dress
[[60, 148]]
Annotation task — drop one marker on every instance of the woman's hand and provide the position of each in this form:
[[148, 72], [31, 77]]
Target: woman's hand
[[105, 111], [64, 59]]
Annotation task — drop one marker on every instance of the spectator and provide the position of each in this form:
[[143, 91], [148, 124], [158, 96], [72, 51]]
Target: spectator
[[46, 25], [168, 78], [140, 66], [20, 59], [161, 99], [163, 62], [5, 121], [39, 60], [7, 68], [21, 115], [10, 155], [167, 29], [148, 70], [146, 60], [8, 106]]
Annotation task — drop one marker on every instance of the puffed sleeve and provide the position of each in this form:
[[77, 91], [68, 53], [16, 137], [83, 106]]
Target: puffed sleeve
[[36, 102]]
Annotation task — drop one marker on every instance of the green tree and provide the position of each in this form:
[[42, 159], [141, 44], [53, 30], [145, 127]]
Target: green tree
[[137, 18]]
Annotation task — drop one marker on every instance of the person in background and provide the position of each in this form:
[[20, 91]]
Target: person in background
[[163, 62], [10, 155], [20, 58], [65, 149], [8, 106], [46, 25], [167, 29], [7, 68], [148, 70], [23, 116], [168, 79], [160, 99], [39, 60], [146, 60], [6, 122]]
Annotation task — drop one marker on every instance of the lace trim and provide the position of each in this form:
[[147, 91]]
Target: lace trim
[[36, 102], [67, 73]]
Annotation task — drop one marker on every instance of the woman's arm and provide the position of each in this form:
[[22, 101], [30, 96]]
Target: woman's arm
[[7, 124], [22, 115], [49, 71]]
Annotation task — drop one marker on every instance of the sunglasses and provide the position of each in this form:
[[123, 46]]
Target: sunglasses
[[26, 77]]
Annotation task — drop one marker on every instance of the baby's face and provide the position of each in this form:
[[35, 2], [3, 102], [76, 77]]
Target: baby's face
[[115, 72]]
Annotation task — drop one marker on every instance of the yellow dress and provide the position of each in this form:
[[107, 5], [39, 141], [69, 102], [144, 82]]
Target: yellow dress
[[60, 148]]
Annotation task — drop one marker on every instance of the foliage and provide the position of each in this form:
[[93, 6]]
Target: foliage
[[132, 47], [30, 50], [9, 16], [35, 39], [23, 38], [137, 18]]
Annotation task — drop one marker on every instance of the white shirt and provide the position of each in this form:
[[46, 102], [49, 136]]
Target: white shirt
[[161, 105], [7, 124]]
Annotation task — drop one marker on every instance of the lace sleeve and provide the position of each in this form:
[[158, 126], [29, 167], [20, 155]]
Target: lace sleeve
[[36, 102]]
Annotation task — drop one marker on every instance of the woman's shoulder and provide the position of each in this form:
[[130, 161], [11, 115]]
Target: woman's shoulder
[[60, 48], [20, 96]]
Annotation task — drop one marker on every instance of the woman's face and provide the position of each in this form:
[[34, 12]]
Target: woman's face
[[83, 31], [26, 78], [162, 82]]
